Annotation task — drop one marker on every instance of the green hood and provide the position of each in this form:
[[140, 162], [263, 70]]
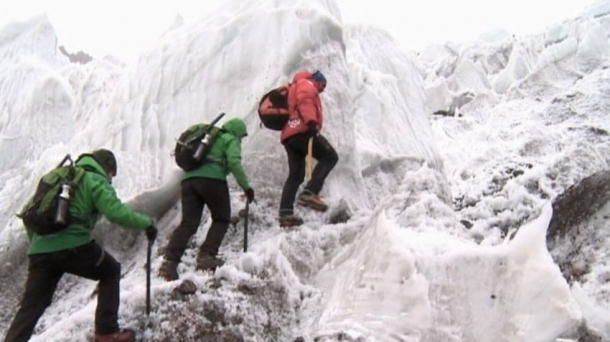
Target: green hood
[[86, 161], [237, 127]]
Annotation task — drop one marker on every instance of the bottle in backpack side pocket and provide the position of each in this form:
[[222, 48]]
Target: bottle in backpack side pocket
[[202, 147], [194, 143], [63, 202]]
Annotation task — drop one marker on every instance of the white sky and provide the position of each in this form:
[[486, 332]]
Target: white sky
[[123, 28]]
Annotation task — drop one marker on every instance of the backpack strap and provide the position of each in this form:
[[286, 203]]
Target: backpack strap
[[222, 162], [78, 173], [296, 108]]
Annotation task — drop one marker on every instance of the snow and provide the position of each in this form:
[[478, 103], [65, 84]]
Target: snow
[[597, 9], [528, 119]]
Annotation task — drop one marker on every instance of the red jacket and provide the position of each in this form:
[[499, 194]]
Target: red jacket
[[304, 105]]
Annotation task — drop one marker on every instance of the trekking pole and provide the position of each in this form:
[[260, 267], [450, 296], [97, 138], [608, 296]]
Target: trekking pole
[[148, 254], [309, 159], [246, 226]]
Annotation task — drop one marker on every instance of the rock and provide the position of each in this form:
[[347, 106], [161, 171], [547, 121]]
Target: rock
[[578, 203], [340, 213], [576, 228], [234, 220], [466, 224], [187, 287]]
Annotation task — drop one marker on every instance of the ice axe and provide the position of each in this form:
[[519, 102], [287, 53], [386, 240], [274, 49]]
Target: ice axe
[[148, 257], [246, 214], [309, 159]]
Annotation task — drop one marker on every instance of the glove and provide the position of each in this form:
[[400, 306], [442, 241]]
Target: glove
[[151, 233], [249, 192], [312, 128]]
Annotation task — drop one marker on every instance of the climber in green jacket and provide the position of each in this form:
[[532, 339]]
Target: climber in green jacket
[[73, 251], [207, 186]]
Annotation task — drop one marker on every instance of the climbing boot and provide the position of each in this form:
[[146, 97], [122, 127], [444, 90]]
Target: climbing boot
[[169, 270], [290, 221], [206, 262], [123, 335], [311, 201]]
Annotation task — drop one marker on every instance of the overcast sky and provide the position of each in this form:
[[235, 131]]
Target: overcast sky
[[125, 27]]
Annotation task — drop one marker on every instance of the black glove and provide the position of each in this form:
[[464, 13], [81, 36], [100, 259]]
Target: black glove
[[151, 233], [249, 194], [312, 128]]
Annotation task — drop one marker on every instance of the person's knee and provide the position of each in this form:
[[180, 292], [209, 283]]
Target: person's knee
[[45, 302], [190, 225], [115, 269], [333, 158], [221, 211], [221, 220], [111, 268], [297, 177], [330, 158], [106, 266]]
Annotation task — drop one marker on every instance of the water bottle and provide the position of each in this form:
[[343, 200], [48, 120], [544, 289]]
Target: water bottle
[[202, 146], [61, 216]]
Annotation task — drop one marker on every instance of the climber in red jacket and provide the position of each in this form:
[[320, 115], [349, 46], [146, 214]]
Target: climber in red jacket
[[306, 121]]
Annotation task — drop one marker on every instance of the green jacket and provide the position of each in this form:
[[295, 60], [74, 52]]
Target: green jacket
[[225, 156], [93, 196]]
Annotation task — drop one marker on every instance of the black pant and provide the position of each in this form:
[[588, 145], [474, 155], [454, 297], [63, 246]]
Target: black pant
[[196, 193], [44, 272], [296, 149]]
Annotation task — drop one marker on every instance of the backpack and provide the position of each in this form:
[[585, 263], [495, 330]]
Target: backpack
[[190, 141], [40, 213], [273, 108], [194, 144]]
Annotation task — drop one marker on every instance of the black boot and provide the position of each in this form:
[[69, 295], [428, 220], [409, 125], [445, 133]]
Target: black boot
[[290, 220], [169, 270], [206, 262], [123, 335]]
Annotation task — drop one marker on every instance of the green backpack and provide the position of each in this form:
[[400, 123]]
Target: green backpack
[[194, 144], [46, 212], [185, 152]]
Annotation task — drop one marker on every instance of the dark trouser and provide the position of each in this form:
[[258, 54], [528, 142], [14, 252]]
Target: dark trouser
[[296, 149], [196, 193], [44, 272]]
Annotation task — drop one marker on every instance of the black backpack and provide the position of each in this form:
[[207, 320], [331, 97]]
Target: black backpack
[[273, 108], [195, 143], [40, 213]]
